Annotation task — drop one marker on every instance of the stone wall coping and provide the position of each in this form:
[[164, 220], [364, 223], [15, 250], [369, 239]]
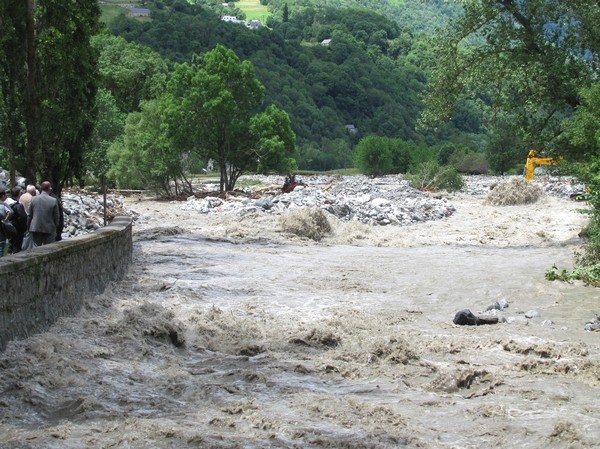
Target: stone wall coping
[[14, 262]]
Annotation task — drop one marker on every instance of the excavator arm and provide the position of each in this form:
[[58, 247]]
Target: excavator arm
[[533, 161]]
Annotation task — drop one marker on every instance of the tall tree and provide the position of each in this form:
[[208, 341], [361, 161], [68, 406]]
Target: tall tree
[[12, 80], [68, 78], [527, 57], [216, 98]]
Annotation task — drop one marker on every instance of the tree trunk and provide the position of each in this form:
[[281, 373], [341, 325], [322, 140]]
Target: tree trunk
[[31, 104]]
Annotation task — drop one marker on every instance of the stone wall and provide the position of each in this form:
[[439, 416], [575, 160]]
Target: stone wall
[[42, 284]]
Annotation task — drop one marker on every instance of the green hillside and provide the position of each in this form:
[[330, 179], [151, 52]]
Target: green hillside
[[369, 78]]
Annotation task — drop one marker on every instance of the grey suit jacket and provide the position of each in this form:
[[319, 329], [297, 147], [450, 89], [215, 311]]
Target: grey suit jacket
[[43, 214]]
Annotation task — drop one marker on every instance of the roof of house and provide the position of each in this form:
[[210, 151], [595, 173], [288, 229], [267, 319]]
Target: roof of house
[[140, 11]]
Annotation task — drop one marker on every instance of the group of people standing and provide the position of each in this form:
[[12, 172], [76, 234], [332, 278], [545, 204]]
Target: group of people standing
[[29, 218]]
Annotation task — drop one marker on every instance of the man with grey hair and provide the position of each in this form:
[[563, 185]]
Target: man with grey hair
[[43, 218], [30, 192], [25, 200]]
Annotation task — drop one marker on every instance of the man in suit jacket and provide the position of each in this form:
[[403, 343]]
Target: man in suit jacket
[[43, 217]]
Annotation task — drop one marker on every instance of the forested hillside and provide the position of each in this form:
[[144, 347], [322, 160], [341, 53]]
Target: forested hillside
[[369, 78], [416, 16]]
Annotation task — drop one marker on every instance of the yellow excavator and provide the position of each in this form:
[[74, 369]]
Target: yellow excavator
[[533, 161]]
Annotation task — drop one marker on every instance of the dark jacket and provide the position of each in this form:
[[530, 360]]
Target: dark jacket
[[43, 214]]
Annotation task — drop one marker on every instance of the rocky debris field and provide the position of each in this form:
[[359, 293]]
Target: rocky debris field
[[375, 201], [84, 212]]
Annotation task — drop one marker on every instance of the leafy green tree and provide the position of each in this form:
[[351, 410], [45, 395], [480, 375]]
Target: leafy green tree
[[214, 102], [66, 87], [524, 56], [274, 142], [109, 128], [131, 72], [583, 128], [374, 156], [145, 158]]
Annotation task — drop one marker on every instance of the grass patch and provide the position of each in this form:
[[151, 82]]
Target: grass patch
[[110, 12], [254, 10]]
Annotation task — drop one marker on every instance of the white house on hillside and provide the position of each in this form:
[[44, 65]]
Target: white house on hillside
[[231, 19], [254, 23]]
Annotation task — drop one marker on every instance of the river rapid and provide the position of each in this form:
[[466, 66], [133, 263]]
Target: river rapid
[[222, 340]]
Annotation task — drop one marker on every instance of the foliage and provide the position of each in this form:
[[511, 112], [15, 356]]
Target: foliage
[[505, 149], [430, 176], [582, 129], [588, 261], [48, 79], [272, 132], [376, 155], [66, 87], [145, 158], [590, 175], [109, 127], [585, 129], [535, 51], [131, 72], [589, 274], [370, 75], [12, 82], [469, 162], [212, 105], [414, 15]]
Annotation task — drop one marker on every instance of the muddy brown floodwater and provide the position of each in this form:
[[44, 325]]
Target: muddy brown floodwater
[[228, 333]]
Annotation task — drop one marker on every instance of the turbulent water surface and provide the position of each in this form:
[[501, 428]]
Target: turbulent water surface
[[250, 343]]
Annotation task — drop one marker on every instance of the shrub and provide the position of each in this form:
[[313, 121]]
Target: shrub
[[431, 176], [374, 156], [377, 155]]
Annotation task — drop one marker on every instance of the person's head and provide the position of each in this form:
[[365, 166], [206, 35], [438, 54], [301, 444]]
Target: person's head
[[46, 186], [2, 195], [15, 192], [31, 189]]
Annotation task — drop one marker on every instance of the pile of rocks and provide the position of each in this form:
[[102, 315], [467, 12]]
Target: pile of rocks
[[374, 201], [387, 200], [84, 213]]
